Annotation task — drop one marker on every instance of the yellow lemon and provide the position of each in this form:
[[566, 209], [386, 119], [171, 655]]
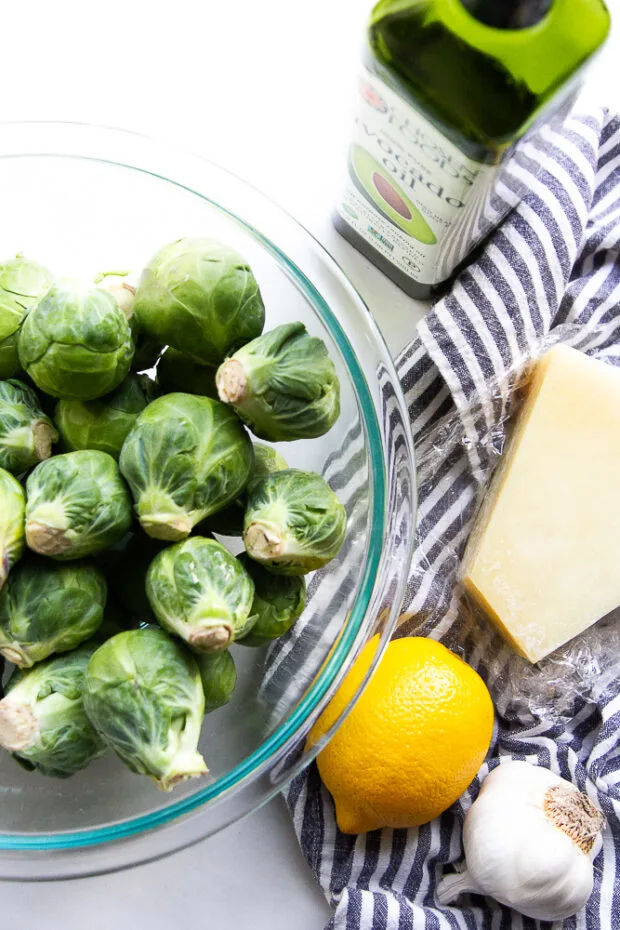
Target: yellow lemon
[[413, 742]]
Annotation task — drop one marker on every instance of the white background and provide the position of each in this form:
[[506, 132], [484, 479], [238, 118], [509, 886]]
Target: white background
[[263, 87]]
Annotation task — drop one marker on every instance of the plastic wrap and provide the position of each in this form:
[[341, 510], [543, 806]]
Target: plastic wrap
[[473, 439]]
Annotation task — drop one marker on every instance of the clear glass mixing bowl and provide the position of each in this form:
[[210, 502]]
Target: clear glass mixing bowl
[[83, 200]]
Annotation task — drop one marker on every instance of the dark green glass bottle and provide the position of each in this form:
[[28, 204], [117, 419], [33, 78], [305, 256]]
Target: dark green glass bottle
[[451, 90]]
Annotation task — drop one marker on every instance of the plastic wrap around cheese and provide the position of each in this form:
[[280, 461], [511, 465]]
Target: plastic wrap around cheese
[[544, 557]]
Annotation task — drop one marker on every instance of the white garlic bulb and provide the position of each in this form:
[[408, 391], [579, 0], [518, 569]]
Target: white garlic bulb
[[530, 839]]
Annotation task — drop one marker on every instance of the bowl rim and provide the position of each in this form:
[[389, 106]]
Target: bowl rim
[[314, 699]]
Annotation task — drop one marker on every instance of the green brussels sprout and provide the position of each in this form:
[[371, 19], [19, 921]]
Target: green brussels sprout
[[127, 579], [26, 433], [122, 285], [283, 385], [266, 462], [77, 504], [229, 521], [22, 282], [46, 402], [219, 677], [177, 372], [42, 718], [278, 601], [47, 608], [201, 592], [12, 533], [75, 343], [184, 458], [103, 424], [294, 523], [200, 297], [143, 695]]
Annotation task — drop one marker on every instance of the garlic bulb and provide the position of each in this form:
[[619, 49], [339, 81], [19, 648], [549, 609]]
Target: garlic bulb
[[530, 839]]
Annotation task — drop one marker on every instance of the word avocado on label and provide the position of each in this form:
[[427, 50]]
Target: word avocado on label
[[451, 91]]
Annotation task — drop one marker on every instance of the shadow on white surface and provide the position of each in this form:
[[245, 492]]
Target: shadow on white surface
[[251, 876]]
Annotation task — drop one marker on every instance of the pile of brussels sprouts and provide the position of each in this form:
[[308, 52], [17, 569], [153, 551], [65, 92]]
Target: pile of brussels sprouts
[[117, 604]]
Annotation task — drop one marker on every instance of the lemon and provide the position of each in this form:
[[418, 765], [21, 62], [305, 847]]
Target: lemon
[[413, 742]]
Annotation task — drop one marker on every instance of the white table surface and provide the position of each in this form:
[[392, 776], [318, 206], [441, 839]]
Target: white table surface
[[265, 89]]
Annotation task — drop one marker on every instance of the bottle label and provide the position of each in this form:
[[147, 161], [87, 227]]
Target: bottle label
[[411, 193]]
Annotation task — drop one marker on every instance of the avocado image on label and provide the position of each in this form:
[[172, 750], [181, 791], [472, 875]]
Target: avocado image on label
[[378, 187]]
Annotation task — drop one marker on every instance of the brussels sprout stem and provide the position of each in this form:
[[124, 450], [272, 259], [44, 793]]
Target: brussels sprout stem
[[166, 527], [18, 726], [43, 437], [17, 656], [186, 765], [231, 382], [263, 542], [35, 440], [161, 518], [46, 539], [211, 639]]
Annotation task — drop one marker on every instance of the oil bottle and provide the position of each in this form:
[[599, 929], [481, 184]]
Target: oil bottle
[[452, 91]]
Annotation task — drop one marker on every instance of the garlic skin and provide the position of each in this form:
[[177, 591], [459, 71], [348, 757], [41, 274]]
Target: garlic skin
[[530, 839]]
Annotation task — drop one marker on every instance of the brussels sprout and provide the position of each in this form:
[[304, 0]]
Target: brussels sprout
[[103, 424], [77, 504], [22, 282], [278, 601], [42, 718], [46, 402], [128, 578], [122, 285], [178, 372], [293, 523], [229, 521], [201, 592], [184, 458], [219, 677], [26, 433], [76, 343], [47, 608], [200, 297], [266, 462], [283, 385], [12, 533], [143, 695]]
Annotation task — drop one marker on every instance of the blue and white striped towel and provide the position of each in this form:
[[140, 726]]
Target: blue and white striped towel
[[551, 271]]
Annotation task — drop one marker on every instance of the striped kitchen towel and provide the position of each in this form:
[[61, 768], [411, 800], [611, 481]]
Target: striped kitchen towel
[[550, 272]]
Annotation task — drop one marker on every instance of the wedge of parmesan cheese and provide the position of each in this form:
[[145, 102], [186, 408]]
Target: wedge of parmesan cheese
[[543, 560]]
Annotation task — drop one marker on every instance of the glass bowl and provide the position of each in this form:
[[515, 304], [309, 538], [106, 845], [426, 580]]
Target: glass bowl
[[84, 200]]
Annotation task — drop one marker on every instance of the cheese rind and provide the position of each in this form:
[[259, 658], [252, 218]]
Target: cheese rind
[[543, 560]]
